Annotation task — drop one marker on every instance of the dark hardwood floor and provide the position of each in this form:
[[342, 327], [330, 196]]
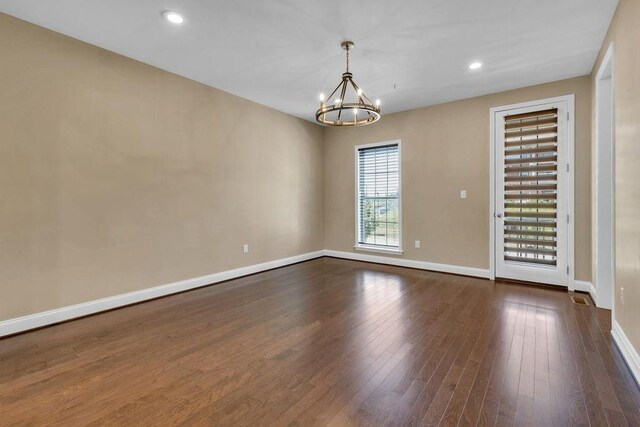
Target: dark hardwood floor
[[327, 342]]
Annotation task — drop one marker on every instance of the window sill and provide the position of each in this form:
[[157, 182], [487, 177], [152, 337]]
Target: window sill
[[379, 250]]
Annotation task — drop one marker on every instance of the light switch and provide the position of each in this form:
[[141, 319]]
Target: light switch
[[417, 244], [463, 194], [245, 248]]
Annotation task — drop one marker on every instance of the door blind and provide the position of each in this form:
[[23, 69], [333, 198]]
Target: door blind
[[531, 187], [378, 196]]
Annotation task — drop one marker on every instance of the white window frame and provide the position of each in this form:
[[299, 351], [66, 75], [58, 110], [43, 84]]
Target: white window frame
[[373, 248]]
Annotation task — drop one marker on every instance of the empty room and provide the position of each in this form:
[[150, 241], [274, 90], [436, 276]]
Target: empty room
[[320, 213]]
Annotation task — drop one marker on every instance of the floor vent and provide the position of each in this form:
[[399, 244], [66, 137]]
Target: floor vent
[[579, 300]]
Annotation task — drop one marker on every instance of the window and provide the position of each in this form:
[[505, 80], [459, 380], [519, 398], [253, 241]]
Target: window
[[378, 197]]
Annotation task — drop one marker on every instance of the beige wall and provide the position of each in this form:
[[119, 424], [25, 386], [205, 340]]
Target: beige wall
[[116, 176], [624, 32], [445, 149]]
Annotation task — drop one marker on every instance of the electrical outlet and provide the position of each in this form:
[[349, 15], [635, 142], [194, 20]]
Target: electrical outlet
[[463, 194], [245, 248], [622, 295], [417, 244]]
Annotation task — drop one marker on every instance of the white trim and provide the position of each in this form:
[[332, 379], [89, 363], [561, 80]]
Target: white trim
[[608, 57], [357, 201], [378, 249], [571, 190], [20, 324], [629, 353], [492, 193], [583, 286], [403, 262], [570, 100], [604, 194]]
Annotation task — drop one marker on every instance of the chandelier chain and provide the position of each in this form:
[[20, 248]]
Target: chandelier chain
[[347, 58]]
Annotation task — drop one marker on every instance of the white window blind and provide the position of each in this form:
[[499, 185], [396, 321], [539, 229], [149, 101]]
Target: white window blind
[[531, 187], [379, 196]]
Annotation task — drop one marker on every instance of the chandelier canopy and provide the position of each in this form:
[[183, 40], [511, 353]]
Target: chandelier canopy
[[351, 107]]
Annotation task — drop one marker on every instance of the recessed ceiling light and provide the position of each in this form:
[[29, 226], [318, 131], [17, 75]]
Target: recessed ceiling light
[[475, 65], [173, 17]]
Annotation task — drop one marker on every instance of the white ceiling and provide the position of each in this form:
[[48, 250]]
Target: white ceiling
[[283, 53]]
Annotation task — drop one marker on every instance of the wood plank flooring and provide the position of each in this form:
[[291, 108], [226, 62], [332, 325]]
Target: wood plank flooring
[[327, 342]]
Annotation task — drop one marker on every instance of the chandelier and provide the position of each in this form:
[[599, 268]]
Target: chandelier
[[351, 107]]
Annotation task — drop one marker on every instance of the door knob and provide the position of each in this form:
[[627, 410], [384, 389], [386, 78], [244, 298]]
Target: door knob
[[498, 215]]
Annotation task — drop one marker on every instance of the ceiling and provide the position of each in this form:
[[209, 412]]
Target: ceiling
[[284, 53]]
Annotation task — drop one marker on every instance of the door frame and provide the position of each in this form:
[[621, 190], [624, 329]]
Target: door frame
[[603, 195], [570, 100]]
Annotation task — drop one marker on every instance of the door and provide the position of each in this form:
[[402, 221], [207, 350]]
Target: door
[[531, 215]]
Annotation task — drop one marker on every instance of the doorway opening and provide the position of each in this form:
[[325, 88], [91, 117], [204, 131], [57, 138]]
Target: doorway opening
[[604, 185]]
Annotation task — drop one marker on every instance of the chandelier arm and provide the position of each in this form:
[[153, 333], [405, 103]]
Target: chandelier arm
[[363, 96], [342, 93], [355, 87], [367, 98], [333, 93]]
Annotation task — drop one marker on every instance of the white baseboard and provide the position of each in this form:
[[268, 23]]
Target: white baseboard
[[25, 323], [582, 286], [20, 324], [629, 353], [403, 262]]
